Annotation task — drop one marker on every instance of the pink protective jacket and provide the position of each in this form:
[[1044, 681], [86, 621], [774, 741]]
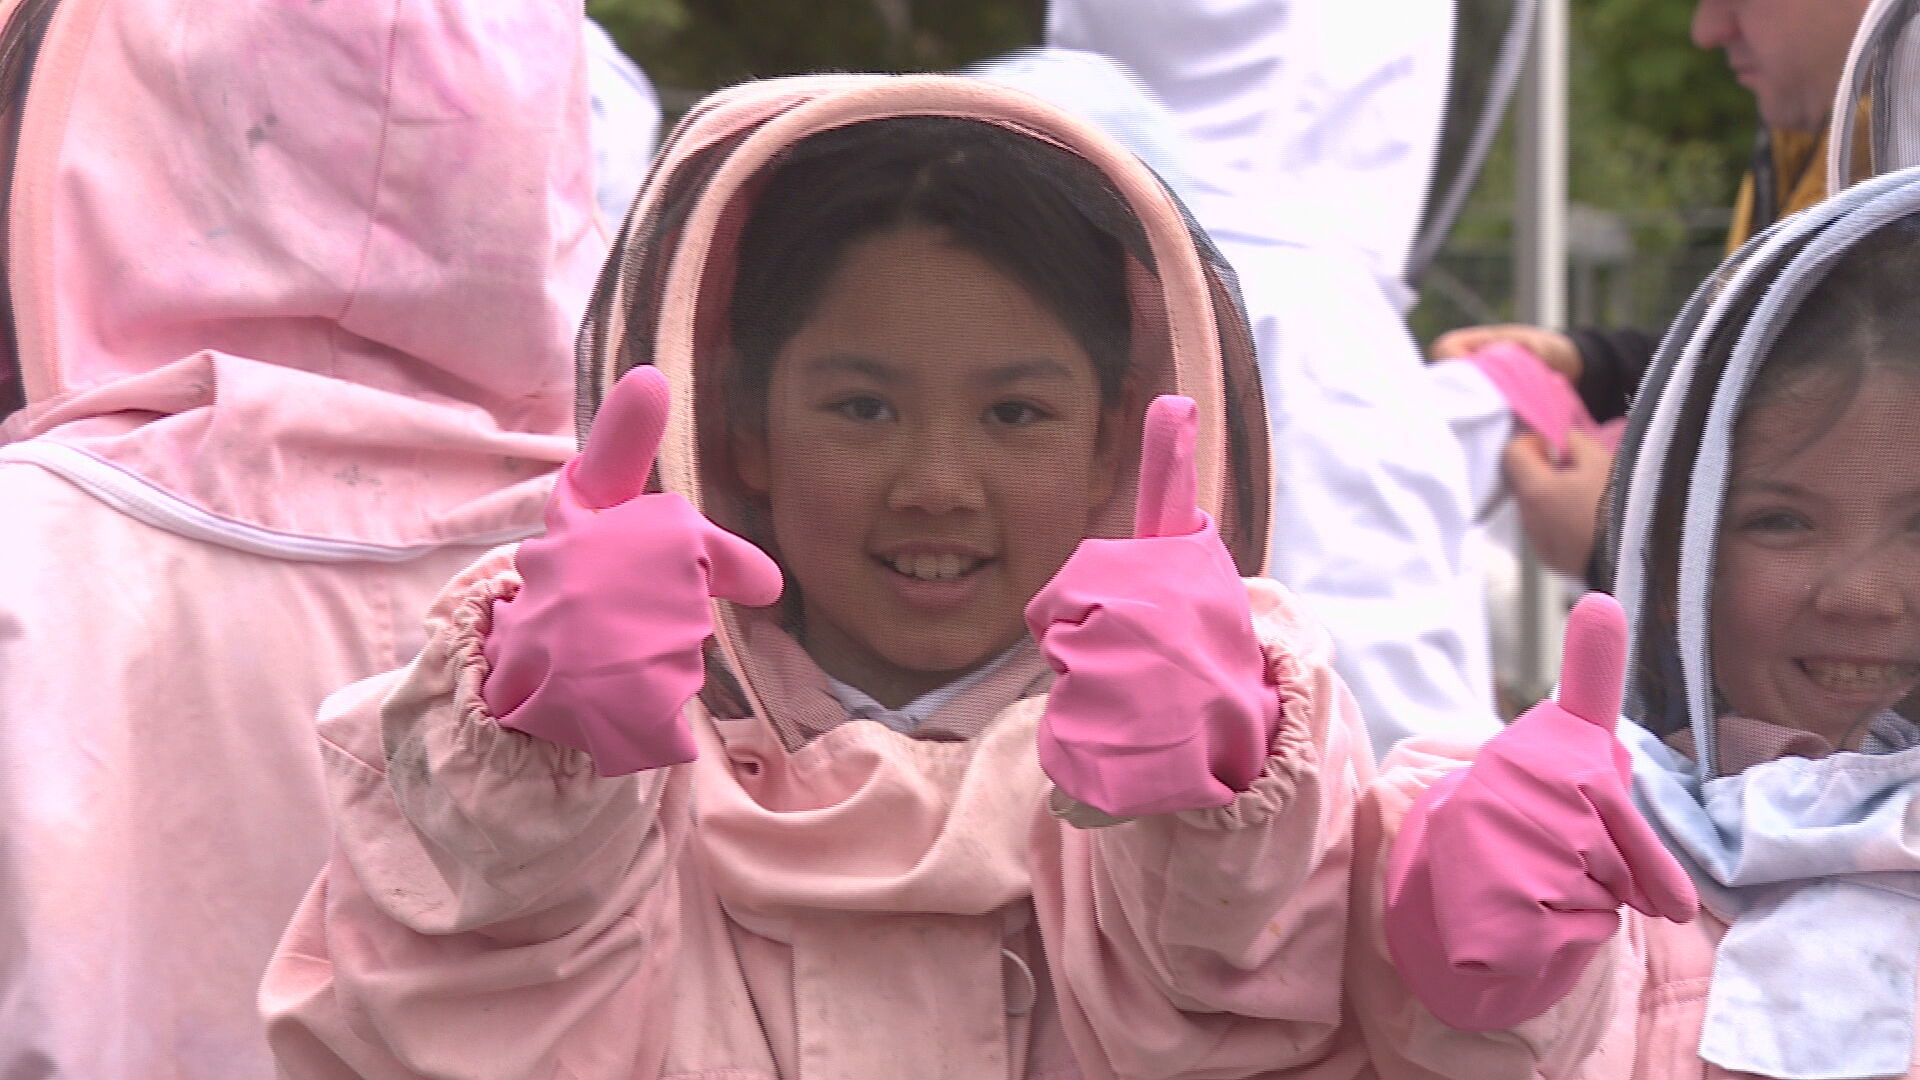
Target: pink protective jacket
[[815, 897], [1635, 1015], [293, 287]]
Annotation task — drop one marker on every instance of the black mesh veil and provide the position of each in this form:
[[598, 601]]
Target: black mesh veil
[[1656, 697], [771, 201], [1489, 49], [1757, 531], [621, 326]]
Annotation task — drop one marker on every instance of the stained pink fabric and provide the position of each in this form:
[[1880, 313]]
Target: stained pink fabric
[[1541, 398], [295, 286], [164, 806], [495, 907], [601, 647], [1162, 702], [348, 258], [1508, 876]]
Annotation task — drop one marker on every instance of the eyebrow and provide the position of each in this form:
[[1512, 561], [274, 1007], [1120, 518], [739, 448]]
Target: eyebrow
[[1770, 487], [1013, 371], [1037, 368], [853, 364], [1783, 489]]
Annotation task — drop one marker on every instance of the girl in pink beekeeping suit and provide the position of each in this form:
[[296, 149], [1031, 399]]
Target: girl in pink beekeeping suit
[[290, 292], [1754, 812], [880, 701]]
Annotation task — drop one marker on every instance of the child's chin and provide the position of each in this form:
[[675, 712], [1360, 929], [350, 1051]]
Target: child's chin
[[946, 657]]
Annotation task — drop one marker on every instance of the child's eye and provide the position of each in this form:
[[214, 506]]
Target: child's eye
[[1015, 413], [1775, 522], [864, 408]]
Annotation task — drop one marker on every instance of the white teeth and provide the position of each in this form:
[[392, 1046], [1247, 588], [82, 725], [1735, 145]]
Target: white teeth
[[933, 567], [1858, 678]]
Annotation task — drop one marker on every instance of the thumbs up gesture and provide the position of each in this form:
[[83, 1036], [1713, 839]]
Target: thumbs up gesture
[[1162, 701], [601, 647], [1508, 875]]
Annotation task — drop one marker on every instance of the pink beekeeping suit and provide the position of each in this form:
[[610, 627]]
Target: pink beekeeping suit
[[293, 287], [816, 896]]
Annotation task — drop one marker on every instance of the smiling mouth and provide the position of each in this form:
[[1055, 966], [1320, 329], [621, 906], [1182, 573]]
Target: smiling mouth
[[933, 567], [1851, 678]]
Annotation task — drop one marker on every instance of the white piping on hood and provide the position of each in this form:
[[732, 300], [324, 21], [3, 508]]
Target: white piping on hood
[[1863, 203]]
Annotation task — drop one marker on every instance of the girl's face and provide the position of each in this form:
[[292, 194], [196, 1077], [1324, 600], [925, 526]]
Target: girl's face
[[935, 449], [1816, 605]]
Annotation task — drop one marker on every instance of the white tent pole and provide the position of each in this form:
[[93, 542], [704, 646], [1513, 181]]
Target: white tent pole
[[1540, 242]]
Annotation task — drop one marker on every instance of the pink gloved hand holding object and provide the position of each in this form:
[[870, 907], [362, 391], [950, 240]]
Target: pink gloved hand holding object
[[1541, 398], [1508, 875], [602, 646], [1162, 701]]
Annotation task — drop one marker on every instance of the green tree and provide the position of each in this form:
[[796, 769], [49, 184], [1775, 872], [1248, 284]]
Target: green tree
[[1659, 134], [698, 45], [1656, 126]]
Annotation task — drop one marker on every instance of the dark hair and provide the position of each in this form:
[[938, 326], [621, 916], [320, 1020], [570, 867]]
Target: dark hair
[[1038, 213], [1863, 315]]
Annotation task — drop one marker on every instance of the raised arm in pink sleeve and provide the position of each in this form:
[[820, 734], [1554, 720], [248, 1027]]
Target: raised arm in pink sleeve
[[1488, 937], [1163, 702], [1591, 1033], [1509, 875], [1209, 942], [601, 646], [493, 906]]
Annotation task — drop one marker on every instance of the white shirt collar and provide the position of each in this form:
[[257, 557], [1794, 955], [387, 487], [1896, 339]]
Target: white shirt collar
[[907, 718]]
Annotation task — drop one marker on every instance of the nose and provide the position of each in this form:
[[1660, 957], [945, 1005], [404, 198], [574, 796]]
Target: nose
[[936, 475], [1713, 25], [1874, 586]]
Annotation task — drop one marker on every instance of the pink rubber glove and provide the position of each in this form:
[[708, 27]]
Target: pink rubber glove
[[602, 646], [1508, 875], [1162, 701], [1540, 397]]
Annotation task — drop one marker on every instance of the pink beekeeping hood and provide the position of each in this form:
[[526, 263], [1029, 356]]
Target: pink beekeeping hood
[[310, 268]]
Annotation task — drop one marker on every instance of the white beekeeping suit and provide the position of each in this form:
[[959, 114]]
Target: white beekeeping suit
[[625, 126], [1311, 129], [289, 305], [1334, 105]]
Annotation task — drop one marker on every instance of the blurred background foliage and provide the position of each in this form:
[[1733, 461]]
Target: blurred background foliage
[[1660, 131], [1659, 134], [1657, 128], [698, 45]]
